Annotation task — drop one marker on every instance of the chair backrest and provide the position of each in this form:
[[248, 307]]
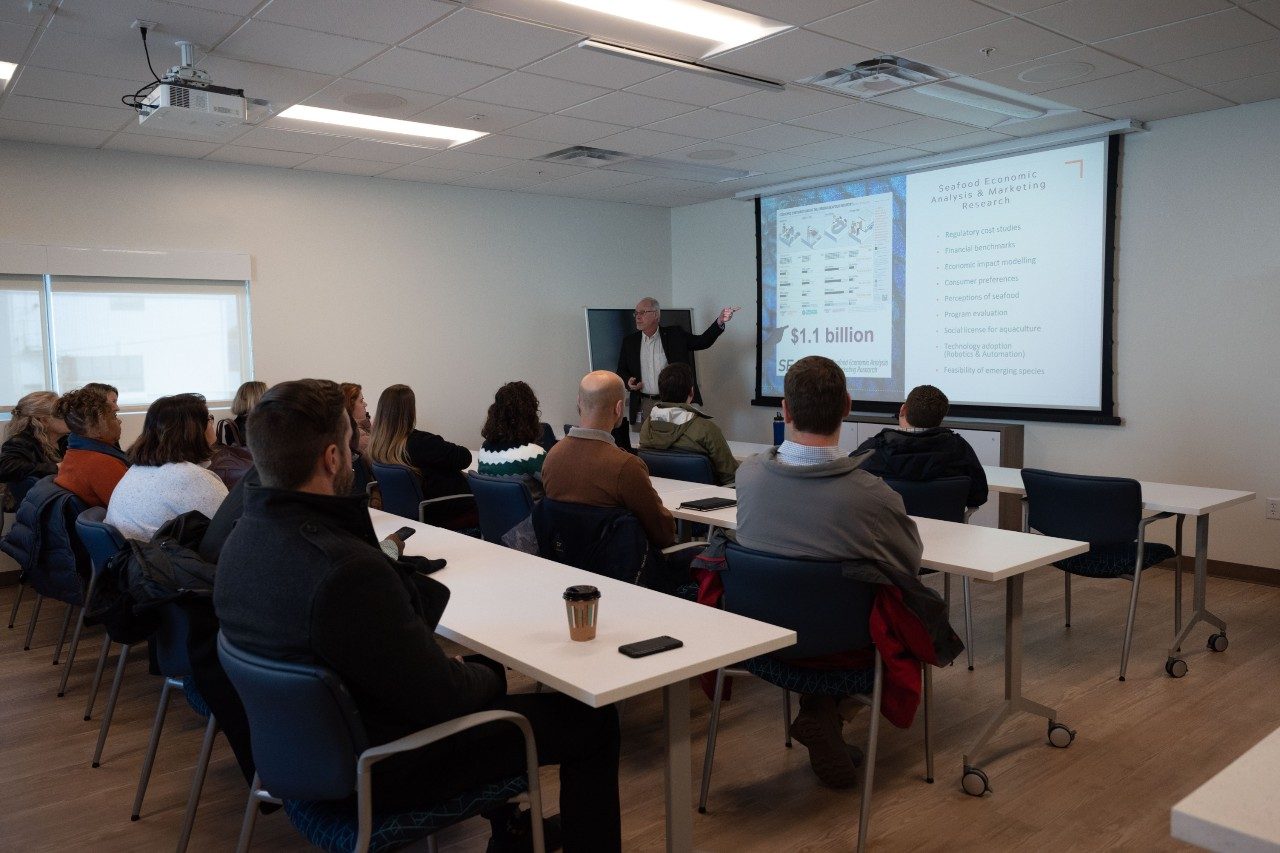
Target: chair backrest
[[943, 498], [679, 465], [1097, 510], [401, 489], [304, 727], [100, 539], [605, 540], [548, 438], [503, 502], [829, 612]]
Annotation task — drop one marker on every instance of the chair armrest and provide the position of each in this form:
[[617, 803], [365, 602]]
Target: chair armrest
[[422, 505], [680, 546], [1142, 525]]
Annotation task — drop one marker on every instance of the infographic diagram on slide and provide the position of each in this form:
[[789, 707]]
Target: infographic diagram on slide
[[835, 283]]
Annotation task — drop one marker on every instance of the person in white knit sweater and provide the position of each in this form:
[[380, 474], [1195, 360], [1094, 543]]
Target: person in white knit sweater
[[168, 475]]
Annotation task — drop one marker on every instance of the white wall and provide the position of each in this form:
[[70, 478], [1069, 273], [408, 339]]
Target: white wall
[[1198, 307], [451, 290]]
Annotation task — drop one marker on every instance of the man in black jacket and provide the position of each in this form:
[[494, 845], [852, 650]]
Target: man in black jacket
[[302, 578], [920, 449], [653, 346]]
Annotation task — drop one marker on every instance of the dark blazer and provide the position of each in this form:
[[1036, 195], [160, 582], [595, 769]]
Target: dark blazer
[[679, 346]]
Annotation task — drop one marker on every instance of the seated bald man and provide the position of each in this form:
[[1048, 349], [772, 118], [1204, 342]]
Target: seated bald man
[[587, 467]]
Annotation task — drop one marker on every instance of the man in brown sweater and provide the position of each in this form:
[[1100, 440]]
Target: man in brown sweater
[[588, 468]]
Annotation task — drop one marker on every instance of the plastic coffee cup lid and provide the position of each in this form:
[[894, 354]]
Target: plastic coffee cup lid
[[581, 593]]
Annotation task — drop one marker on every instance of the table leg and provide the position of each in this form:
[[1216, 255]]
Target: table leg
[[975, 781], [1199, 611], [679, 783]]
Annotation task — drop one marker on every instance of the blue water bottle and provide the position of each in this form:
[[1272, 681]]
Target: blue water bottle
[[779, 429]]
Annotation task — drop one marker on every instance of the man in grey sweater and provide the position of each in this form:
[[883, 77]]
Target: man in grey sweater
[[808, 499]]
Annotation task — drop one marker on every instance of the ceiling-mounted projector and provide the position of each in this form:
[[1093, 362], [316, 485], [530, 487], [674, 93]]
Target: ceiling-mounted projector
[[185, 102]]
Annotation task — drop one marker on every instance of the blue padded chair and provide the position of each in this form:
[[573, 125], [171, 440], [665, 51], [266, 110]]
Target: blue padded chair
[[679, 465], [503, 502], [402, 495], [170, 646], [943, 499], [312, 752], [1106, 512], [830, 614]]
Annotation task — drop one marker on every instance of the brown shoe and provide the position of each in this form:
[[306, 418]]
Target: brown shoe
[[817, 727]]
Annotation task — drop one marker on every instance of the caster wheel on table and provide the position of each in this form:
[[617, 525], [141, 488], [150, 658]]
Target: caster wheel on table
[[975, 782], [1176, 667], [1060, 736], [1217, 643]]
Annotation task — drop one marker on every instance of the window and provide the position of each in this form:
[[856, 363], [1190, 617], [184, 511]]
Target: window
[[25, 369]]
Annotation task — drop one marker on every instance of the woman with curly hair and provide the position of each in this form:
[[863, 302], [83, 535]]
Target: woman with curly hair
[[511, 432], [33, 442], [92, 465]]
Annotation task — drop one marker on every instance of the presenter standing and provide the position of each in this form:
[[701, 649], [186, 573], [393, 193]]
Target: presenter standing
[[653, 346]]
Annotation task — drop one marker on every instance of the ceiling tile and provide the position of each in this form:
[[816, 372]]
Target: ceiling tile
[[854, 118], [1165, 106], [775, 162], [599, 69], [1017, 7], [1198, 36], [645, 142], [841, 148], [425, 72], [281, 86], [540, 172], [776, 136], [895, 25], [798, 12], [68, 86], [916, 130], [294, 47], [708, 124], [382, 152], [566, 129], [964, 140], [495, 181], [258, 156], [690, 87], [591, 179], [386, 21], [530, 91], [785, 106], [724, 151], [234, 7], [14, 39], [1048, 124], [1066, 68], [792, 55], [890, 155], [290, 140], [113, 19], [52, 134], [1264, 87], [511, 146], [43, 111], [342, 166], [160, 145], [628, 108], [425, 174], [84, 55], [373, 99], [492, 39], [1268, 10], [1095, 20], [1135, 85], [1011, 41], [1234, 64], [15, 12], [464, 161], [491, 118]]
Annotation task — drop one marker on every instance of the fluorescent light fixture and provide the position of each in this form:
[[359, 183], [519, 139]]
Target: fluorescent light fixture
[[6, 72], [981, 101], [380, 124], [727, 28], [668, 62]]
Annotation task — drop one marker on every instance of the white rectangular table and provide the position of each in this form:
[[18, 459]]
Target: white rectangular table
[[984, 553], [1182, 501], [1235, 810], [508, 606]]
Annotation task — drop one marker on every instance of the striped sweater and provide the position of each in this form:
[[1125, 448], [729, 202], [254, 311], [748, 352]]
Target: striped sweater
[[509, 459]]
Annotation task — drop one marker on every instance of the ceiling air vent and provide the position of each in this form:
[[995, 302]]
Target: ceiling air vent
[[877, 76], [582, 155], [654, 167]]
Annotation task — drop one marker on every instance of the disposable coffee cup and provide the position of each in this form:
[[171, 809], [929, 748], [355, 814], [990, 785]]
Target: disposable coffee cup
[[582, 604]]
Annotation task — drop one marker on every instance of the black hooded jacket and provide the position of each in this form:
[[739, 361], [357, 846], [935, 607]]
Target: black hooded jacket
[[927, 455]]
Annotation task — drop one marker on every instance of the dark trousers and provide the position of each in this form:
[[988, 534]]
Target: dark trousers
[[582, 740]]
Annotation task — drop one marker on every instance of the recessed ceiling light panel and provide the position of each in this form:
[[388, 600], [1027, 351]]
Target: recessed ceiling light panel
[[379, 127], [7, 70]]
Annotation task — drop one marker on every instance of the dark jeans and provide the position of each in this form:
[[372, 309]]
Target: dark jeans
[[581, 739]]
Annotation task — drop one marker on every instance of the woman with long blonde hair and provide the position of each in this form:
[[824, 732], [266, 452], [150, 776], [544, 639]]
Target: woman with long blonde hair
[[231, 431], [439, 463], [33, 442]]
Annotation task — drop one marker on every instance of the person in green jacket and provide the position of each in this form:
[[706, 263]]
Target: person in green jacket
[[677, 424]]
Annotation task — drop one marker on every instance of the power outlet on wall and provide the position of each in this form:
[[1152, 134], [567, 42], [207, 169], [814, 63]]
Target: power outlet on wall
[[1273, 508]]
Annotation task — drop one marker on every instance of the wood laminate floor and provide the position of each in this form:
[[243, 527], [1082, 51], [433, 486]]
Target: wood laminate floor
[[1142, 745]]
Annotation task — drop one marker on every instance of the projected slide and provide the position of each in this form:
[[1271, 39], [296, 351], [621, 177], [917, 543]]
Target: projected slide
[[984, 279]]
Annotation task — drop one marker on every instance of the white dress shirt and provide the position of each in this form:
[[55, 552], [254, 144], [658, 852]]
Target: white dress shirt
[[652, 359]]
